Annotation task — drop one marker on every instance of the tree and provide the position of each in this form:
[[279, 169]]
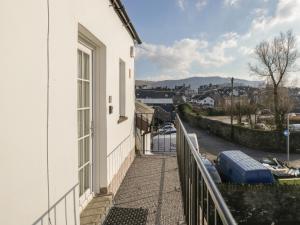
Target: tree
[[249, 110], [276, 58]]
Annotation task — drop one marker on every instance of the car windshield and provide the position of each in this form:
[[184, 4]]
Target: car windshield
[[170, 132]]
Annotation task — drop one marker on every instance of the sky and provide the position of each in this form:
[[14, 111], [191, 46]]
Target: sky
[[184, 38]]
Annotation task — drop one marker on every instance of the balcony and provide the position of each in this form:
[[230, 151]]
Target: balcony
[[164, 186]]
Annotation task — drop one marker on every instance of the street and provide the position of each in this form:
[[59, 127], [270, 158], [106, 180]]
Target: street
[[212, 145]]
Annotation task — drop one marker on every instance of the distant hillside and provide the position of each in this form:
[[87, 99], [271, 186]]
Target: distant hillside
[[143, 82], [195, 82]]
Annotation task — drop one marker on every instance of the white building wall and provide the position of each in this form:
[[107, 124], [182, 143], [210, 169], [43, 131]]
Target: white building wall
[[23, 111], [108, 28], [23, 98], [207, 101]]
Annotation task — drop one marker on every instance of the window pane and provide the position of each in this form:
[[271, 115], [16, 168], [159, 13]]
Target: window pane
[[122, 88], [86, 63], [81, 184], [79, 94], [86, 177], [86, 149], [79, 63], [86, 92], [86, 121], [80, 122], [80, 153]]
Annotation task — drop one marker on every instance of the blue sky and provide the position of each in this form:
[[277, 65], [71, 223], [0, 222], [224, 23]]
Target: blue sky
[[183, 38]]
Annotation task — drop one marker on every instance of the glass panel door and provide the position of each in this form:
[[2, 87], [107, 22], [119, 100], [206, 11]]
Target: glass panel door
[[84, 118]]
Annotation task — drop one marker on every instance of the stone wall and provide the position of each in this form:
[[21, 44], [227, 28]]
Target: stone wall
[[264, 140]]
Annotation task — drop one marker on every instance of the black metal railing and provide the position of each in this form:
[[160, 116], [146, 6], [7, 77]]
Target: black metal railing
[[202, 201]]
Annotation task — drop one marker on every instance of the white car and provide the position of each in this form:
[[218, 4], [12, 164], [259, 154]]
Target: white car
[[167, 142], [164, 143], [165, 128]]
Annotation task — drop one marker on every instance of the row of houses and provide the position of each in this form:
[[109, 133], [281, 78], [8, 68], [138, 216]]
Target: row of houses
[[67, 115], [216, 96]]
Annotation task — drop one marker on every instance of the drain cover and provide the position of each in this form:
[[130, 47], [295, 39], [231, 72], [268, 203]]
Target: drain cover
[[126, 216]]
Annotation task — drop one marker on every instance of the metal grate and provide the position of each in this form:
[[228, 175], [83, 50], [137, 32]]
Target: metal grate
[[126, 216]]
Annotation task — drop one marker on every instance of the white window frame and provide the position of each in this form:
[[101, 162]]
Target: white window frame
[[122, 88]]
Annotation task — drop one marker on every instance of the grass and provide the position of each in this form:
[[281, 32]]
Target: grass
[[293, 181]]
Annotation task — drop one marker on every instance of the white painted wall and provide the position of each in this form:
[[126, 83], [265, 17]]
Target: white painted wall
[[99, 18], [23, 95]]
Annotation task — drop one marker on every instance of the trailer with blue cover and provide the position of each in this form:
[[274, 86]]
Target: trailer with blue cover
[[237, 167]]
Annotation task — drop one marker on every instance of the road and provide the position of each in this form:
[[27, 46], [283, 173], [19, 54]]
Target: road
[[212, 145]]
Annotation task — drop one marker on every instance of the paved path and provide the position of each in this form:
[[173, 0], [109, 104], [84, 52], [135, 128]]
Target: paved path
[[212, 145], [152, 183]]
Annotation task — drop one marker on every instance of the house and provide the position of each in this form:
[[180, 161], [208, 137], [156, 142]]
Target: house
[[205, 101], [67, 115]]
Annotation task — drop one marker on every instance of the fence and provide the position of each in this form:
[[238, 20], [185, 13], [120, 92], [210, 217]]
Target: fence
[[202, 201]]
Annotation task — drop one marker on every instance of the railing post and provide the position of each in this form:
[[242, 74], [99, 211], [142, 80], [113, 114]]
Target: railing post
[[194, 192]]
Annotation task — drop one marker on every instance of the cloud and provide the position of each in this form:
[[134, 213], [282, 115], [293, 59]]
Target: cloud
[[183, 55], [287, 12], [244, 50], [200, 4], [231, 2], [225, 54], [181, 4]]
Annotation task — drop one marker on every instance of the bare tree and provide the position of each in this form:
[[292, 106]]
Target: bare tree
[[249, 110], [276, 59]]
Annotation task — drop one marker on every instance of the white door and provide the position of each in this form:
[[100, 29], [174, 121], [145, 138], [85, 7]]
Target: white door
[[84, 120]]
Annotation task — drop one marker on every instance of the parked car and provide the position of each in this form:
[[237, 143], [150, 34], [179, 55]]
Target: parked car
[[167, 142], [169, 131], [237, 167], [164, 143], [212, 171], [165, 128], [168, 124], [262, 126], [273, 163], [278, 168]]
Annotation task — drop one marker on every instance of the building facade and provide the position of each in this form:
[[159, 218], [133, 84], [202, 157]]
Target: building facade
[[205, 101], [67, 117]]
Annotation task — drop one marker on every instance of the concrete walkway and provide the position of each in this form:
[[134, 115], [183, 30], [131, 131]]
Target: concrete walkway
[[152, 183]]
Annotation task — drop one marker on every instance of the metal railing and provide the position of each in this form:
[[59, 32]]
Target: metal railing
[[150, 135], [50, 216], [202, 201]]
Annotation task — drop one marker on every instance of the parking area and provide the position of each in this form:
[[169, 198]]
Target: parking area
[[212, 145]]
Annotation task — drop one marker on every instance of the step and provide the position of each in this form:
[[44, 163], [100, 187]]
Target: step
[[96, 210]]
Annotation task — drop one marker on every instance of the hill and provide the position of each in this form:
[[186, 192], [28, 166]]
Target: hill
[[195, 82]]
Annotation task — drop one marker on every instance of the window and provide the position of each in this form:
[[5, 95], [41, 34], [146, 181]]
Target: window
[[122, 89]]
